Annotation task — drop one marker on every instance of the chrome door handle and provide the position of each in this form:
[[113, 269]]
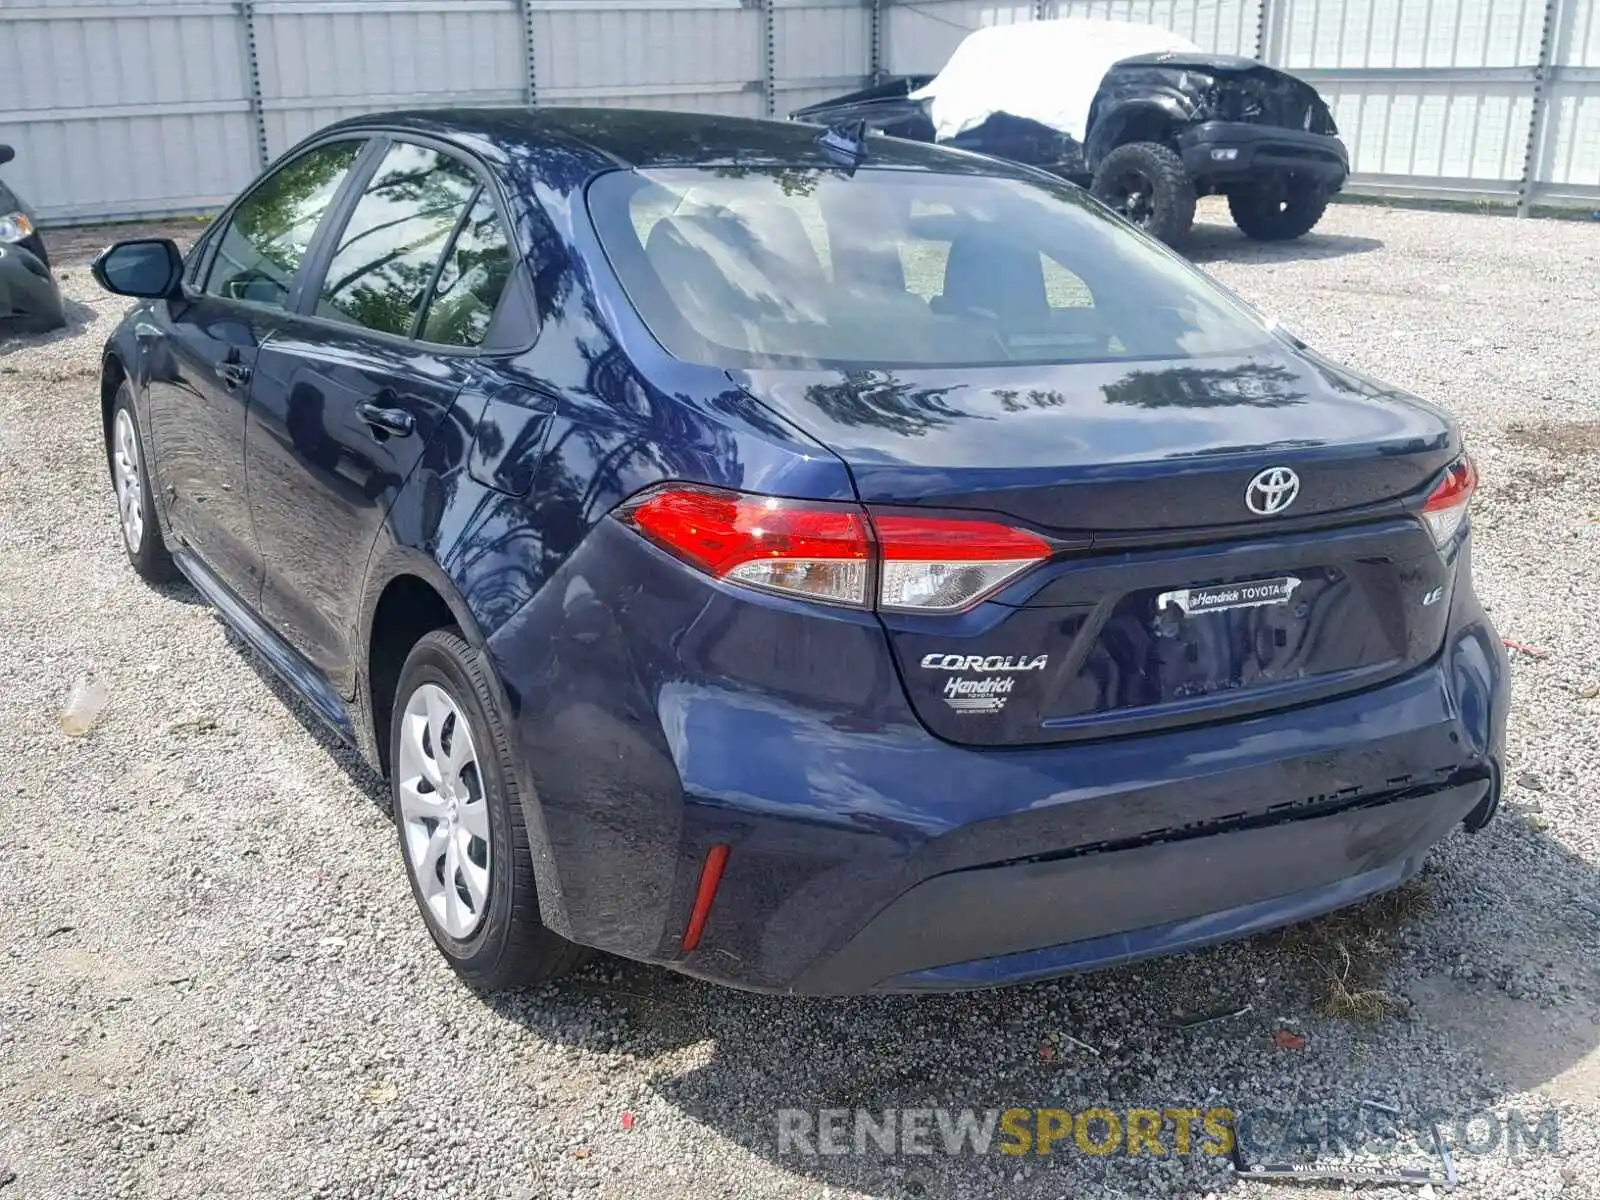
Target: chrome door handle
[[394, 422], [233, 374]]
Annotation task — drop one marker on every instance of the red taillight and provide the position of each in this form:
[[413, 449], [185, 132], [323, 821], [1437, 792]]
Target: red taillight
[[1447, 507], [710, 878], [830, 551], [939, 564], [815, 550]]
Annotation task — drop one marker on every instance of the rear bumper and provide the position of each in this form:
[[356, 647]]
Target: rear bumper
[[29, 298], [1091, 856], [1221, 152], [1032, 920], [659, 715]]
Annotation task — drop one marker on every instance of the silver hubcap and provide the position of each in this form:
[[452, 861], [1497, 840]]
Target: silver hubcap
[[444, 816], [125, 475]]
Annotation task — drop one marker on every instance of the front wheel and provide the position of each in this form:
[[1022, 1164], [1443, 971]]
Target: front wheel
[[460, 821], [1279, 211], [1146, 183], [130, 480]]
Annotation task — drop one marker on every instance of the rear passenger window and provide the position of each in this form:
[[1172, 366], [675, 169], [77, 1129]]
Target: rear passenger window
[[379, 276], [473, 276], [267, 236]]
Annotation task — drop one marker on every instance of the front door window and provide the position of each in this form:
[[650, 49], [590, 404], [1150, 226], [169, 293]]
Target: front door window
[[270, 231]]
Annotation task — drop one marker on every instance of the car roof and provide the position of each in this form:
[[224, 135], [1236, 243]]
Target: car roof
[[569, 145]]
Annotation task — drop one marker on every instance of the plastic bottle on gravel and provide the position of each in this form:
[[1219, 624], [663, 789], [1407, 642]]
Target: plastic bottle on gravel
[[85, 703]]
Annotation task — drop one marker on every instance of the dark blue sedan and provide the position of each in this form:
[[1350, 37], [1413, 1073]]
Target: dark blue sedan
[[811, 562]]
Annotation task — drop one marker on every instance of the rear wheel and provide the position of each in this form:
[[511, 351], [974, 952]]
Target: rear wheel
[[460, 821], [130, 481], [1147, 184], [1278, 211]]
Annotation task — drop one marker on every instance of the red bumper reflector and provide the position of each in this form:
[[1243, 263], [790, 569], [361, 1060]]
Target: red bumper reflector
[[710, 877]]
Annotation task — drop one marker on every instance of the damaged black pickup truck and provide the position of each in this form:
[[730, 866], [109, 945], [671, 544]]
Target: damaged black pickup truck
[[1138, 115]]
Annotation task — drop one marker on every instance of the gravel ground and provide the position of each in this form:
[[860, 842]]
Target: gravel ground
[[213, 983]]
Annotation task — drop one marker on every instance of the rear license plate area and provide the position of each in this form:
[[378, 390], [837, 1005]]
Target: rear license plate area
[[1224, 637], [1164, 645], [1223, 597]]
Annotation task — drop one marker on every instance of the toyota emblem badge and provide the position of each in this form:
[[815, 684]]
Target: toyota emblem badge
[[1272, 491]]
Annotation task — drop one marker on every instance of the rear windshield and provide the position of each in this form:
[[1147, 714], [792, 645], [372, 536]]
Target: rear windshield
[[745, 267]]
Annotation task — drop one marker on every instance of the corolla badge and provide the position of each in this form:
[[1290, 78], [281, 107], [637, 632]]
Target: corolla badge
[[1271, 491], [981, 662]]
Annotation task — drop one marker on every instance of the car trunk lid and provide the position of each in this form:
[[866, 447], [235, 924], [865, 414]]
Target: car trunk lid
[[1168, 600], [1117, 448]]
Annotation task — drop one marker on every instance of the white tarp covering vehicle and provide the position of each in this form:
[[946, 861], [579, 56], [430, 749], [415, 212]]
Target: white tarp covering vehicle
[[1045, 71]]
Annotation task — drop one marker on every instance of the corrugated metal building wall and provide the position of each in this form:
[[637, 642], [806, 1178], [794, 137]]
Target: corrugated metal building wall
[[125, 108]]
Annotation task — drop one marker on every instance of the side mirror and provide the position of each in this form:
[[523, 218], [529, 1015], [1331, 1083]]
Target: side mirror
[[150, 268], [6, 155]]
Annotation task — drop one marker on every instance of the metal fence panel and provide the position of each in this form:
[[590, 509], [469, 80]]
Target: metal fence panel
[[1449, 137], [920, 37], [1567, 158], [1497, 98], [1378, 34], [1579, 37], [1220, 26], [317, 60], [819, 50], [1569, 165], [99, 131], [703, 56]]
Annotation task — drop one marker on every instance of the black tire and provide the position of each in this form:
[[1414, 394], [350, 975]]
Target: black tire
[[510, 946], [148, 551], [1147, 184], [1278, 211]]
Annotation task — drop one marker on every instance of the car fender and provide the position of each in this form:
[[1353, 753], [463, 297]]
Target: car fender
[[399, 552], [1117, 119], [124, 354], [123, 349], [131, 354], [389, 560], [392, 561]]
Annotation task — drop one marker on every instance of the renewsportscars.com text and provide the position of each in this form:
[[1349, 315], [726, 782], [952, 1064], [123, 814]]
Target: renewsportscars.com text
[[1158, 1132]]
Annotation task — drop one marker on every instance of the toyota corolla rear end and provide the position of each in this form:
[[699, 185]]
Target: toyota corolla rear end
[[1137, 627]]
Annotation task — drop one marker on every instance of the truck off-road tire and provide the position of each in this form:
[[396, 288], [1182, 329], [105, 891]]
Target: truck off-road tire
[[459, 817], [1278, 212], [130, 483], [1146, 183]]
